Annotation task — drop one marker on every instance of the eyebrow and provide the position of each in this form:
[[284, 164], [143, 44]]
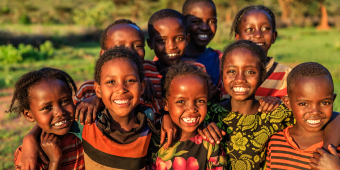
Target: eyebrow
[[108, 76], [251, 66]]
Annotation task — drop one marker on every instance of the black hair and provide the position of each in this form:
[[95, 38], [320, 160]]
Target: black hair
[[308, 69], [165, 13], [21, 97], [235, 28], [119, 52], [103, 38], [262, 58], [181, 69], [189, 3]]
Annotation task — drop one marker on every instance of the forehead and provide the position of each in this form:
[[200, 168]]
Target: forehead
[[241, 56], [257, 15], [202, 9], [45, 88], [312, 86], [188, 83], [119, 65], [122, 30], [167, 26]]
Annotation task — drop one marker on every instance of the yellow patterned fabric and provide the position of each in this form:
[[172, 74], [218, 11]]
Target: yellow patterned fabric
[[247, 135]]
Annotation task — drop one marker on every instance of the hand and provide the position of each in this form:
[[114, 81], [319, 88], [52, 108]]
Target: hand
[[212, 132], [50, 144], [214, 92], [268, 104], [323, 160], [31, 150], [88, 106], [169, 129], [150, 92]]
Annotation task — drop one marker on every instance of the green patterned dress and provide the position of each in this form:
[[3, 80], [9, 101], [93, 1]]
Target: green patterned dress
[[247, 135]]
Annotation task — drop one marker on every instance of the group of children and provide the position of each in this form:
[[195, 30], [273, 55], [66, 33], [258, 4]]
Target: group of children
[[217, 110]]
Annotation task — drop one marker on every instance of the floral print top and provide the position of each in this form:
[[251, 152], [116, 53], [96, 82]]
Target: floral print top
[[247, 135], [193, 154]]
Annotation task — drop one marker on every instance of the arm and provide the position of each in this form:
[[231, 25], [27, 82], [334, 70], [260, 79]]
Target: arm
[[150, 92], [50, 144], [323, 160], [268, 104], [31, 150], [169, 129], [88, 107], [212, 132], [333, 127]]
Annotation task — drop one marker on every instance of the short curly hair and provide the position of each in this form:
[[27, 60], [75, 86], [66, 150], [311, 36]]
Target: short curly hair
[[21, 97], [103, 38], [165, 13], [308, 69], [181, 69], [235, 27], [189, 3], [262, 58], [118, 52]]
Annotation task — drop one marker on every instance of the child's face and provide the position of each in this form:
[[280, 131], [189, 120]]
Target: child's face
[[120, 87], [187, 102], [311, 100], [169, 40], [241, 74], [51, 106], [126, 35], [256, 26], [202, 23]]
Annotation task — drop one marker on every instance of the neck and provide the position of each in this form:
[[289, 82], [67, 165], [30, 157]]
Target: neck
[[123, 123], [245, 107], [161, 67], [193, 50], [184, 136]]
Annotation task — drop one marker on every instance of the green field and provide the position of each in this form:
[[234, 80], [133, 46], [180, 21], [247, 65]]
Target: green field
[[293, 46]]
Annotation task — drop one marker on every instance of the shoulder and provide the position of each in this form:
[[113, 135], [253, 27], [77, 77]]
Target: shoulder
[[17, 160], [149, 63], [282, 68]]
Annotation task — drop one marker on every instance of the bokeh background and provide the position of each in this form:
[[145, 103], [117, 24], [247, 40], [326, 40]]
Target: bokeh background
[[66, 34]]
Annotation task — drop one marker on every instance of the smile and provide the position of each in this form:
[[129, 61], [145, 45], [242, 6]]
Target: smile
[[313, 122], [124, 101], [191, 121], [240, 89], [172, 55], [203, 36], [259, 44], [60, 123]]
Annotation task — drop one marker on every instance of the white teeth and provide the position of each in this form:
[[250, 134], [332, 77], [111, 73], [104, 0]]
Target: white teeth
[[60, 123], [259, 44], [240, 89], [189, 120], [313, 121], [202, 36], [172, 55], [121, 101]]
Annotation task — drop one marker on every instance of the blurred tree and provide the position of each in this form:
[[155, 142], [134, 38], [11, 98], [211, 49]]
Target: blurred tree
[[285, 11], [324, 17]]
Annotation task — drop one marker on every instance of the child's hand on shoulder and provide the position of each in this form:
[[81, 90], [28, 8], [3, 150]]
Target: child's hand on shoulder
[[211, 132], [50, 144], [268, 104], [88, 108], [214, 92], [150, 92], [169, 129], [323, 160]]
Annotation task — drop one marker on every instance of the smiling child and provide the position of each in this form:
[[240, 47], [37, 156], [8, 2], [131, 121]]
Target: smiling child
[[185, 92], [257, 24], [45, 97], [310, 97]]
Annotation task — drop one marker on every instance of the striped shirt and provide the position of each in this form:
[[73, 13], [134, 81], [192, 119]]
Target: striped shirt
[[276, 82], [283, 153], [72, 154]]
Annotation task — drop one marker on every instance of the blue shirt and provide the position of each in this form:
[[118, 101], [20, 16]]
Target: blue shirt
[[210, 59]]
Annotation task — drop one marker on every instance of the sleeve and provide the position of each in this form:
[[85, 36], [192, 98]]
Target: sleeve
[[17, 159], [215, 114], [77, 129], [85, 91], [217, 158], [279, 119]]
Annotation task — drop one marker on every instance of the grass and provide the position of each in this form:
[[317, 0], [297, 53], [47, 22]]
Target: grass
[[293, 46]]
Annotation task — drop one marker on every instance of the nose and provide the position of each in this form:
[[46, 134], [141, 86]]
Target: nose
[[170, 45], [314, 109], [191, 107], [240, 77], [59, 111], [204, 26], [120, 88], [257, 34]]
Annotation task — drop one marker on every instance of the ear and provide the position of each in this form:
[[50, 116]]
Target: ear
[[237, 37], [187, 39], [142, 87], [149, 41], [274, 37], [285, 100], [28, 115], [166, 107], [334, 96], [101, 52], [97, 90]]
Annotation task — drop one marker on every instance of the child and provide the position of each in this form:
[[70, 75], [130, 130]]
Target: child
[[45, 96], [185, 92], [248, 130], [310, 97], [257, 24]]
